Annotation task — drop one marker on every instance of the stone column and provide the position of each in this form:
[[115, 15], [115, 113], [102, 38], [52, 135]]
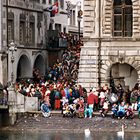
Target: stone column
[[12, 99], [88, 67]]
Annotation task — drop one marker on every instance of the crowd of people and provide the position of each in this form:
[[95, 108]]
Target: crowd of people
[[59, 90], [122, 103], [60, 79]]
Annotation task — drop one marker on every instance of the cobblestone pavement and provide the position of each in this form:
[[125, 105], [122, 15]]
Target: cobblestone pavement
[[57, 123]]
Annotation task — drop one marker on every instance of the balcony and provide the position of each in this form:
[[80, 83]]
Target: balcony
[[55, 40]]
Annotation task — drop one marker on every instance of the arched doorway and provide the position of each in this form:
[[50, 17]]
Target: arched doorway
[[123, 74], [40, 64], [24, 68]]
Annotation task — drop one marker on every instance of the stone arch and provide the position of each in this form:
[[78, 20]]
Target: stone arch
[[128, 62], [39, 64], [24, 68]]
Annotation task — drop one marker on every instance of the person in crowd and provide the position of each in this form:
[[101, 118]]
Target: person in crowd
[[120, 93], [85, 95], [96, 98], [45, 109], [138, 109], [129, 111], [63, 102], [102, 97], [88, 112], [114, 110], [121, 111], [52, 99], [127, 95], [134, 99], [80, 110], [105, 108], [91, 99], [57, 96]]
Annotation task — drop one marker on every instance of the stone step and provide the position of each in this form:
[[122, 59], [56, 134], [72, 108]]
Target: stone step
[[58, 112]]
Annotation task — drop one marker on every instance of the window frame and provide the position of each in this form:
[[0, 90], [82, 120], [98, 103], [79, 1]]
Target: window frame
[[123, 29], [10, 25]]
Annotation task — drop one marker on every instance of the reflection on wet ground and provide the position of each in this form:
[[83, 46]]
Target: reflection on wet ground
[[68, 136]]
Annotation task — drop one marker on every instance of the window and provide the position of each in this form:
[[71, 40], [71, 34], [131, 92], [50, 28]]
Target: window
[[55, 1], [10, 26], [50, 26], [22, 32], [38, 1], [31, 30], [72, 17], [31, 33], [62, 4], [64, 29], [10, 30], [44, 1], [50, 1], [22, 27], [122, 10], [58, 27]]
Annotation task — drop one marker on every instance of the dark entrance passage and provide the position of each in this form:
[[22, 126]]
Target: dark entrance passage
[[40, 64], [24, 68], [123, 74]]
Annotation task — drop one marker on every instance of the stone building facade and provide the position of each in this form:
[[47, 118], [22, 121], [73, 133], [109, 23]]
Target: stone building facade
[[26, 23], [111, 47], [74, 23]]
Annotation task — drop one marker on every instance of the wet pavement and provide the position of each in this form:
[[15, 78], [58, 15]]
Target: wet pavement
[[57, 123]]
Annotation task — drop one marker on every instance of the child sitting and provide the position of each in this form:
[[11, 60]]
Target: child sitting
[[129, 111], [114, 110], [104, 109], [121, 110], [80, 109], [45, 109]]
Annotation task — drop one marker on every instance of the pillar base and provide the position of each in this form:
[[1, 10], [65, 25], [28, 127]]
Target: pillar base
[[12, 118], [12, 105]]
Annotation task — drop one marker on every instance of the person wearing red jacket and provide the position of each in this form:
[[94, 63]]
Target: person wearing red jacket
[[91, 99]]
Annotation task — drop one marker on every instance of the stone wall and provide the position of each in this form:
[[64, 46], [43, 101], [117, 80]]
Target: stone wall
[[99, 42]]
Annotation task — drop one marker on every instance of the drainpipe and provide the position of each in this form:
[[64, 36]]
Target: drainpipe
[[7, 39], [99, 43]]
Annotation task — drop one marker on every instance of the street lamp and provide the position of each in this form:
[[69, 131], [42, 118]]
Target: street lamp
[[12, 96], [12, 49], [79, 18]]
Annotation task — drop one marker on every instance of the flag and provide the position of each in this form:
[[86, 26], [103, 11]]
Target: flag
[[53, 9]]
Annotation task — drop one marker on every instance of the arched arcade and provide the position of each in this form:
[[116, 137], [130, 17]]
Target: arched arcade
[[24, 69]]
